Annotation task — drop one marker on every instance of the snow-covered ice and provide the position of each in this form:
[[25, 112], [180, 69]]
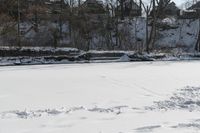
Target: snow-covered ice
[[158, 97]]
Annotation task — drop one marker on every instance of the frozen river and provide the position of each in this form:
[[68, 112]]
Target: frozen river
[[158, 97]]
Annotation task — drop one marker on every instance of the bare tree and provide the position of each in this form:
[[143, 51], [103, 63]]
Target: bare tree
[[158, 7], [147, 9]]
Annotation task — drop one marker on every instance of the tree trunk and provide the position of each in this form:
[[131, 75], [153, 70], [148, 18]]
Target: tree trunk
[[36, 16], [197, 47], [122, 9], [18, 24], [153, 28], [147, 31], [60, 18]]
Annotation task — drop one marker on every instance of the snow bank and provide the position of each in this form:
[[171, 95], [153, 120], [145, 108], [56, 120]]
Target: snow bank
[[125, 58], [66, 49], [96, 57]]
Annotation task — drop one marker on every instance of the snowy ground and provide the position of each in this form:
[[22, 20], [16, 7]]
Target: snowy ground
[[158, 97]]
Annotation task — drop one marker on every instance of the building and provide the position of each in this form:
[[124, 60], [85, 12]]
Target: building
[[193, 12], [166, 9], [132, 9], [93, 7], [195, 6], [129, 9], [171, 9], [188, 14]]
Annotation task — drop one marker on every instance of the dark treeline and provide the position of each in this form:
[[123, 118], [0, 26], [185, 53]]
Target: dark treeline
[[89, 24]]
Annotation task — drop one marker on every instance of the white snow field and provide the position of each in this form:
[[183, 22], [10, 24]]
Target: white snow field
[[142, 97]]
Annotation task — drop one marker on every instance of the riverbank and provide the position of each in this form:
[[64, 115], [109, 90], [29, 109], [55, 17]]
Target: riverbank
[[47, 55]]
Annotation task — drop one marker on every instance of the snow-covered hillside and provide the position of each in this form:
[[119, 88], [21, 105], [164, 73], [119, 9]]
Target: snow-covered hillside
[[173, 34], [181, 34], [185, 35], [101, 98]]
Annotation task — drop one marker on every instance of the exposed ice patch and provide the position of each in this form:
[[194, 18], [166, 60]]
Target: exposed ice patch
[[147, 128], [53, 112], [194, 124], [187, 125], [184, 99], [37, 113]]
